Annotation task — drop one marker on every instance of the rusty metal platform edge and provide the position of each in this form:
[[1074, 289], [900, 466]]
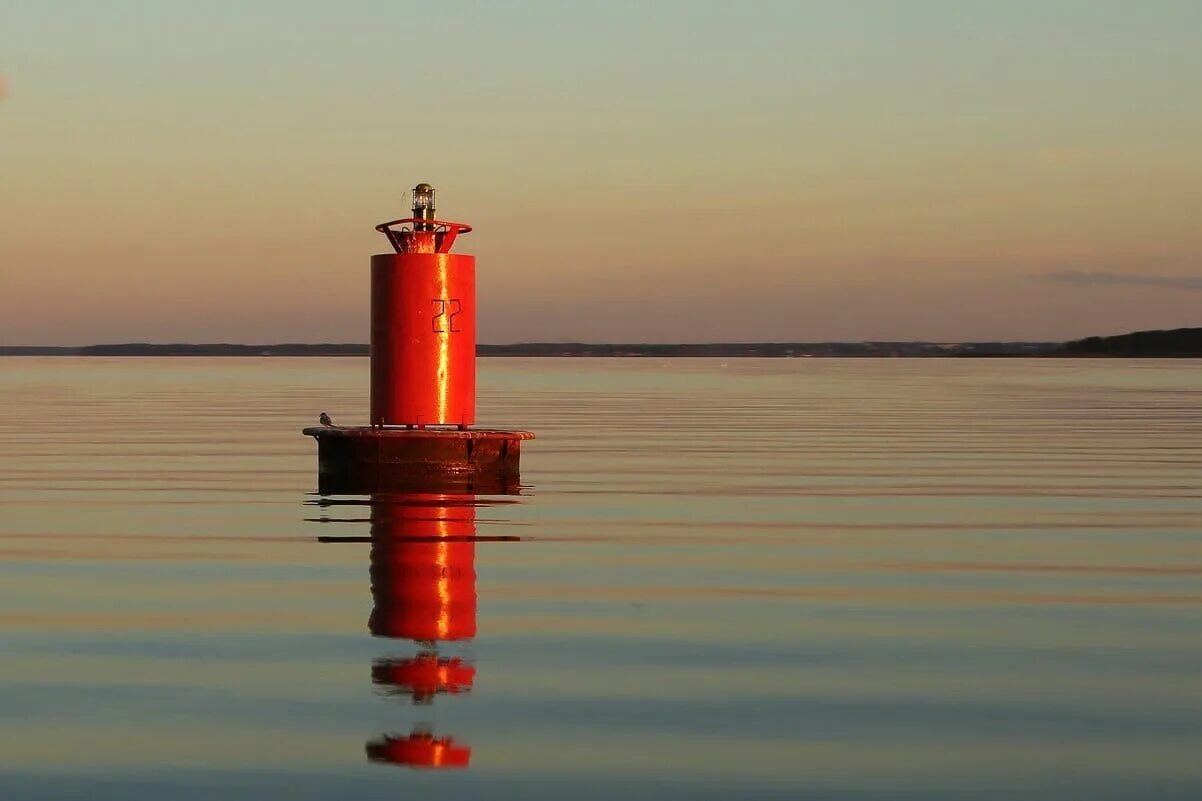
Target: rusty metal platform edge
[[368, 432]]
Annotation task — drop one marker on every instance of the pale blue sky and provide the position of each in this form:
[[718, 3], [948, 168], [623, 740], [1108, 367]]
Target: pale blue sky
[[636, 171]]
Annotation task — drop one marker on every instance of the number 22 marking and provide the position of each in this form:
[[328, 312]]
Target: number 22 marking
[[441, 305]]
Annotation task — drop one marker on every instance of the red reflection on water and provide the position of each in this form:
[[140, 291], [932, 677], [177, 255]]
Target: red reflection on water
[[424, 676], [423, 587], [419, 750], [423, 567]]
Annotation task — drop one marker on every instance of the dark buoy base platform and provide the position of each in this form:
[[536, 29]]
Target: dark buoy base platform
[[365, 459]]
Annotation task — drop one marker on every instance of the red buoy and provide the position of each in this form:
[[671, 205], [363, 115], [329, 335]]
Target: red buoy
[[423, 372], [423, 323]]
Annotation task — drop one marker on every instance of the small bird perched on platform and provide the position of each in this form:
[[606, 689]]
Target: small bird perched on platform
[[325, 420]]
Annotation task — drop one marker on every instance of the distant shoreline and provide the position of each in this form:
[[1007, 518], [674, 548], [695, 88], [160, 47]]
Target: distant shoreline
[[1181, 342], [584, 350]]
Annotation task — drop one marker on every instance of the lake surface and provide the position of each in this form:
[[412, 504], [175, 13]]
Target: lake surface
[[810, 578]]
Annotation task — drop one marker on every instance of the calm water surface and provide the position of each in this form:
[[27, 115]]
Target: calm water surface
[[828, 579]]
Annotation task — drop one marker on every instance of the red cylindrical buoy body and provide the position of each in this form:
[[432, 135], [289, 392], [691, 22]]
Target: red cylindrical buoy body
[[423, 339]]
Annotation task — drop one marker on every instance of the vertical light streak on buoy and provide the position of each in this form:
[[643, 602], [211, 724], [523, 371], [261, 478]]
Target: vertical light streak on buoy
[[444, 339]]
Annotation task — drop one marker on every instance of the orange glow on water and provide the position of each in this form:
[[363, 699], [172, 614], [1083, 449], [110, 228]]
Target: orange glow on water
[[442, 559]]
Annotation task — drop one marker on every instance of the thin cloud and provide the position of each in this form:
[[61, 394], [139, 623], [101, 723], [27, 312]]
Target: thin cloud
[[1083, 278]]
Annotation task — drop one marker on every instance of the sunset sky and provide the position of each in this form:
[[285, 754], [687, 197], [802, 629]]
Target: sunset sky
[[635, 171]]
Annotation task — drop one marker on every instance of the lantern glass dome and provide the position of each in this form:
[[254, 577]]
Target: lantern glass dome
[[423, 197]]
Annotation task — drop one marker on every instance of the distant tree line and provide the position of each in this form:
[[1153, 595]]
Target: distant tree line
[[287, 349], [1178, 342], [714, 349], [1175, 342]]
